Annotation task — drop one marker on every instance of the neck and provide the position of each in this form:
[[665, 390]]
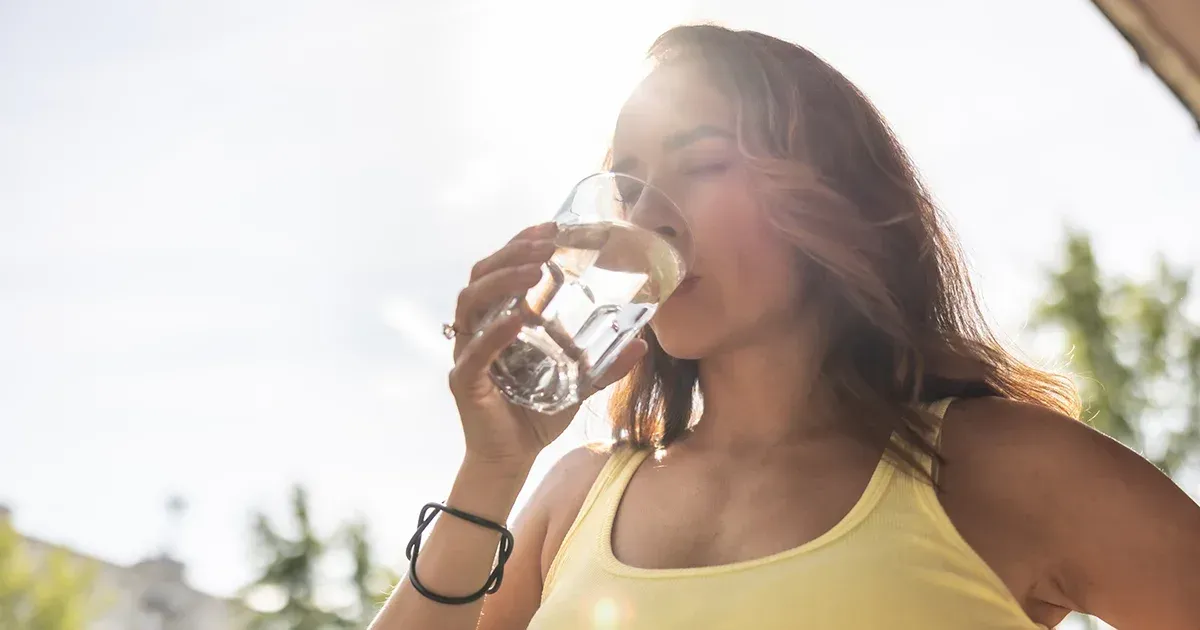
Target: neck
[[763, 394]]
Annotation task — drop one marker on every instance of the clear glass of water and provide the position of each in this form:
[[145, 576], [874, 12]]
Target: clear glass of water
[[622, 247]]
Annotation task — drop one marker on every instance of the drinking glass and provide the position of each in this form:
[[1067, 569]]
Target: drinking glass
[[621, 252]]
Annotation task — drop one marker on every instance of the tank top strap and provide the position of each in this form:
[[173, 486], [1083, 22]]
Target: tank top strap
[[938, 409], [602, 498], [914, 492]]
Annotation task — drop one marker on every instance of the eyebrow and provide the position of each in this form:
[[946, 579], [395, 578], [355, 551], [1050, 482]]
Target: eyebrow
[[679, 140]]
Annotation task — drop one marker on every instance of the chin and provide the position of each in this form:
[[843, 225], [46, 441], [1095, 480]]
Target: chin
[[685, 327], [680, 341]]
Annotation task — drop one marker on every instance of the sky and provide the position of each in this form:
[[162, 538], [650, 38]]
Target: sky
[[229, 231]]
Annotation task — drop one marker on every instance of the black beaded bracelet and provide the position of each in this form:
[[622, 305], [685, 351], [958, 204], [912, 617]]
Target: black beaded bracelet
[[414, 547]]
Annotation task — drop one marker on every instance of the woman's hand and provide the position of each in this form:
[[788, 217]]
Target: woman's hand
[[497, 431]]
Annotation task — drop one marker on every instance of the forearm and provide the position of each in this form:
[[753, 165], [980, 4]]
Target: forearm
[[456, 556]]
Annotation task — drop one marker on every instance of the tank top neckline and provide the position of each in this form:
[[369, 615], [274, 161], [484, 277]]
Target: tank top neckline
[[866, 502], [897, 519]]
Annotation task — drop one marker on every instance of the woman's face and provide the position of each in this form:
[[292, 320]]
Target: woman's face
[[678, 133]]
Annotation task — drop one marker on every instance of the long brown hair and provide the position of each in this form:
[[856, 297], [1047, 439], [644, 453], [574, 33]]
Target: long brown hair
[[874, 248]]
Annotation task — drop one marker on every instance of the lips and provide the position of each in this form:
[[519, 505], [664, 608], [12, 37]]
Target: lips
[[686, 284]]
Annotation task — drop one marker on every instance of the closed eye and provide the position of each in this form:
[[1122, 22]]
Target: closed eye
[[713, 168]]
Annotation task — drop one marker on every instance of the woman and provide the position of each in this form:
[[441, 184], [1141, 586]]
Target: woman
[[830, 332]]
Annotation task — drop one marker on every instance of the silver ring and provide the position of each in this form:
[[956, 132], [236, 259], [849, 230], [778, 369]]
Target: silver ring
[[449, 331]]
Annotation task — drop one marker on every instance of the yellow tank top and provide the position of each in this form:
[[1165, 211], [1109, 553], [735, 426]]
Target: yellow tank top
[[894, 561]]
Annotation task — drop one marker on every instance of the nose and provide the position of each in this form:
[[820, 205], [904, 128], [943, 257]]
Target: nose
[[654, 211]]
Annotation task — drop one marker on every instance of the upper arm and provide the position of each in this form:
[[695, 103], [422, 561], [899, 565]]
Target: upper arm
[[537, 532], [1116, 537], [1130, 537]]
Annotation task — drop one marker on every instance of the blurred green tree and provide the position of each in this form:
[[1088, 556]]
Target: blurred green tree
[[52, 593], [372, 581], [1135, 351], [290, 569]]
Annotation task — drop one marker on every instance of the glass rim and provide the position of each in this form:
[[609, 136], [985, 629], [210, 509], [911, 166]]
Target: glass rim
[[685, 253], [621, 175]]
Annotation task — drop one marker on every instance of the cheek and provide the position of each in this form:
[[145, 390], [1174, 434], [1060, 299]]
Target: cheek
[[748, 279], [755, 268], [740, 249]]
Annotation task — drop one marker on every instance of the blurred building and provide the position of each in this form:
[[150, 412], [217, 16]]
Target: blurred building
[[1166, 36], [149, 595]]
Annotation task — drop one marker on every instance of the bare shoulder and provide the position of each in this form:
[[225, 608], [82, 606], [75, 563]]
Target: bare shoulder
[[561, 494], [1002, 418], [576, 470], [1097, 527], [1034, 458], [1036, 452]]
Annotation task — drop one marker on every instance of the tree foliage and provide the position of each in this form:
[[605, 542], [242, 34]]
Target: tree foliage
[[371, 581], [51, 592], [1135, 349], [292, 567]]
